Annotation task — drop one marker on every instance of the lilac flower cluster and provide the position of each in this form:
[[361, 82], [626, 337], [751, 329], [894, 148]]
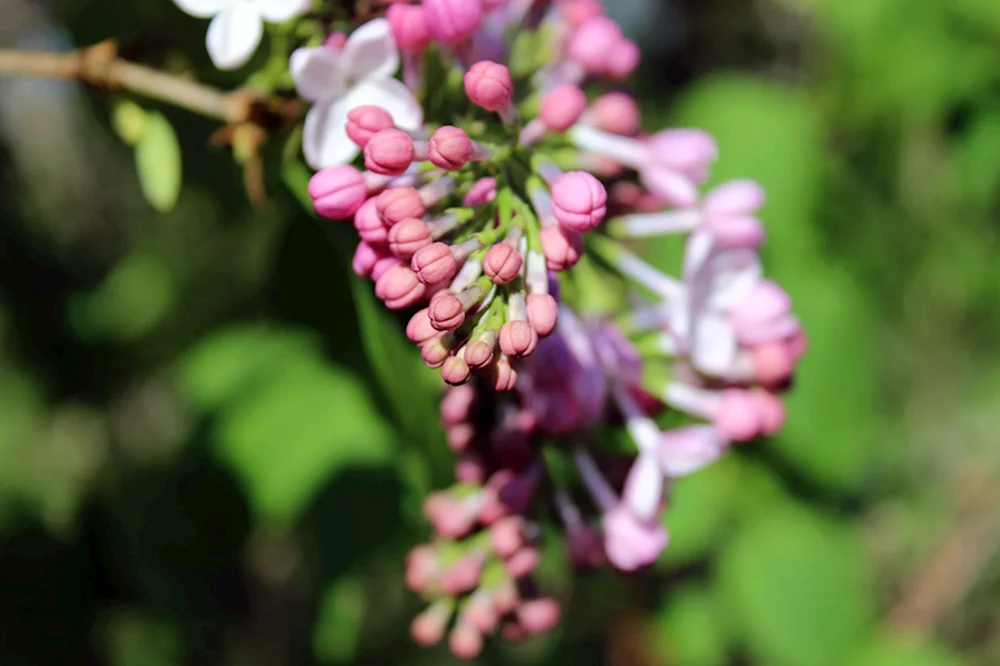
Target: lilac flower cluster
[[498, 203]]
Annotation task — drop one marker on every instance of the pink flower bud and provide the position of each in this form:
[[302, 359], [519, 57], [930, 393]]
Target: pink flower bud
[[456, 405], [479, 353], [434, 264], [737, 417], [771, 411], [488, 85], [335, 41], [419, 328], [463, 576], [579, 201], [408, 236], [399, 288], [623, 59], [502, 263], [409, 27], [561, 107], [383, 265], [452, 21], [365, 258], [446, 311], [616, 113], [465, 642], [562, 247], [455, 371], [399, 203], [434, 352], [481, 613], [539, 615], [577, 12], [364, 122], [483, 191], [450, 148], [389, 152], [517, 339], [773, 362], [505, 376], [421, 566], [593, 42], [337, 192], [542, 313], [523, 562], [470, 468], [507, 536], [428, 628], [459, 436], [369, 226]]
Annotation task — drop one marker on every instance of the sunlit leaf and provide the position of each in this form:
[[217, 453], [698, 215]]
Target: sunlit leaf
[[158, 162]]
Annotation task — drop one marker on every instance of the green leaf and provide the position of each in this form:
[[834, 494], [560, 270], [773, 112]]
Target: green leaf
[[223, 366], [302, 423], [702, 509], [131, 301], [158, 162], [796, 587], [338, 627], [898, 651], [129, 121], [690, 629]]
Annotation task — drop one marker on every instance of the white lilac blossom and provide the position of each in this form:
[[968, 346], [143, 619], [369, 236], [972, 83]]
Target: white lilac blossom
[[237, 26], [477, 210], [337, 80]]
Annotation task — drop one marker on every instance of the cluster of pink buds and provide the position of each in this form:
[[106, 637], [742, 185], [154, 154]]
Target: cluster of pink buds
[[500, 204]]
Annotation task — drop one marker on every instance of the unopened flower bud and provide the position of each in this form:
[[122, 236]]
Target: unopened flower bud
[[455, 371], [592, 43], [408, 236], [389, 152], [502, 263], [446, 311], [419, 328], [434, 264], [579, 201], [517, 339], [337, 192], [452, 21], [364, 122], [561, 107], [542, 313], [450, 148], [562, 247], [409, 27], [488, 85], [399, 288], [399, 203]]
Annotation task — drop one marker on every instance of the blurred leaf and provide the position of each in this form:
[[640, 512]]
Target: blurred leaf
[[702, 509], [158, 162], [221, 367], [893, 651], [136, 639], [341, 616], [130, 121], [690, 629], [302, 423], [129, 303], [795, 585]]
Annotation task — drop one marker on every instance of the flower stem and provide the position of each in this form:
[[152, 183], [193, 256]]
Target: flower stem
[[100, 66]]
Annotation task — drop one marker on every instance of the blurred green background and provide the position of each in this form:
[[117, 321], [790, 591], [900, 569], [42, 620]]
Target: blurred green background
[[213, 441]]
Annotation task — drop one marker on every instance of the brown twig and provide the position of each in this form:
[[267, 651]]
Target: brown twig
[[101, 67], [954, 567]]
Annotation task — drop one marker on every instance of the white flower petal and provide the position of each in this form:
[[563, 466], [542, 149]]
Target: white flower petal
[[279, 11], [233, 35], [688, 450], [318, 73], [644, 487], [713, 344], [204, 8], [324, 139], [733, 274], [392, 96], [371, 51]]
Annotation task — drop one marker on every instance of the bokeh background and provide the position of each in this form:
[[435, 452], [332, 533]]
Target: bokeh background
[[213, 441]]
